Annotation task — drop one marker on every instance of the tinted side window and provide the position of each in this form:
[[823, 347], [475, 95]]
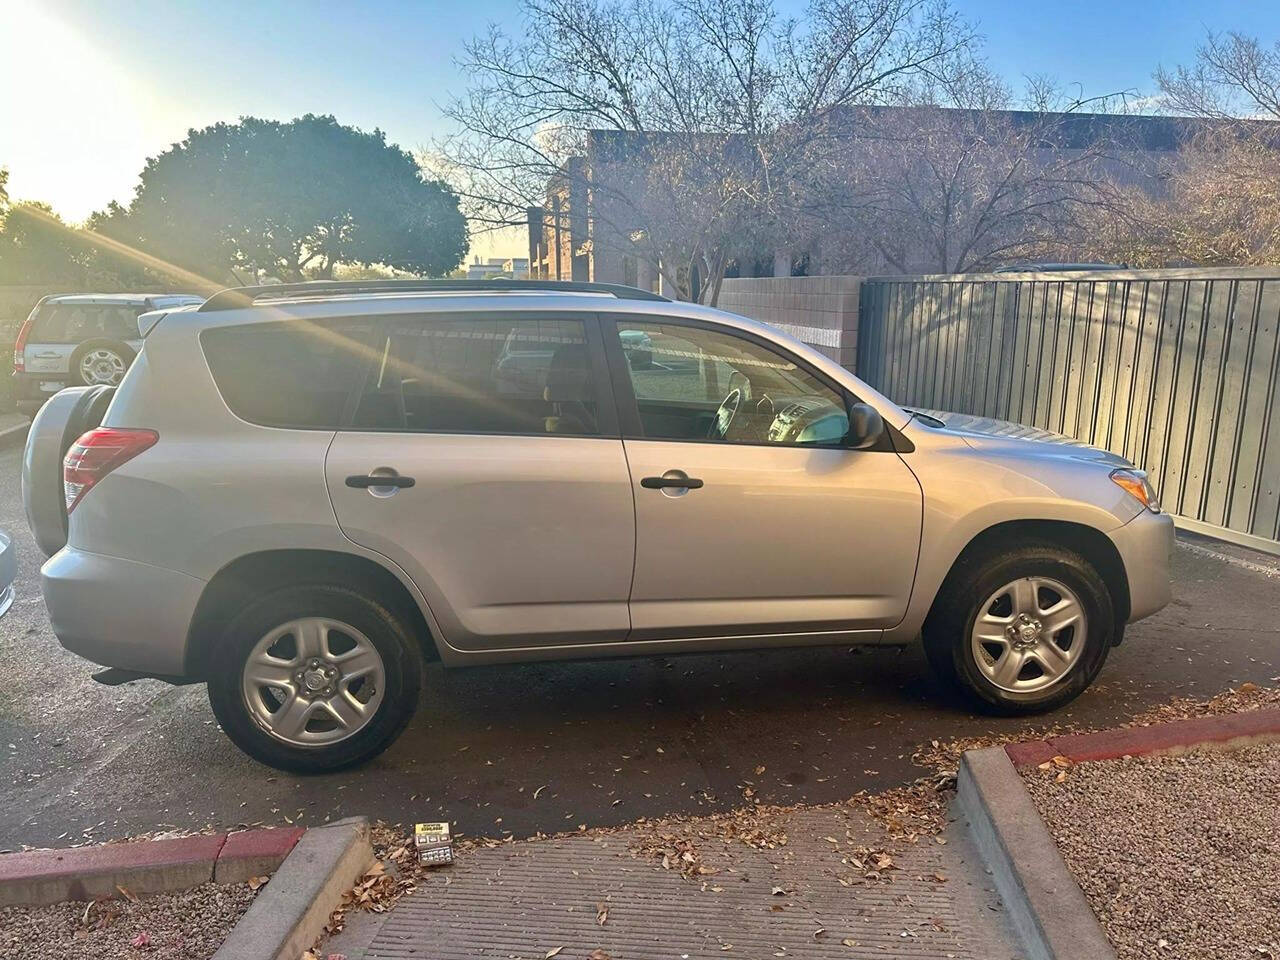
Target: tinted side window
[[296, 373], [692, 383], [480, 375]]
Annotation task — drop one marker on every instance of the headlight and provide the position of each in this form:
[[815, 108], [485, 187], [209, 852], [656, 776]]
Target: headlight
[[1136, 484]]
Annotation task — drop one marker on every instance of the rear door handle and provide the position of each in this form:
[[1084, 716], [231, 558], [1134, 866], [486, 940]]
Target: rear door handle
[[363, 483], [664, 483]]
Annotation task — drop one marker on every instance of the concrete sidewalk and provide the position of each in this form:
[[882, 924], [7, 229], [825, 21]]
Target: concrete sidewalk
[[814, 883]]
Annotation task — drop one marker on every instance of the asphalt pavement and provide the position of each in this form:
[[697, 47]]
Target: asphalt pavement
[[546, 747]]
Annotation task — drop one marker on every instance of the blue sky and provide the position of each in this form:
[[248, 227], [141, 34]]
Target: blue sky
[[90, 88]]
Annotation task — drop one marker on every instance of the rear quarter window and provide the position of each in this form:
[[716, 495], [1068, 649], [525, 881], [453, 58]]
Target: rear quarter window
[[294, 373], [77, 322]]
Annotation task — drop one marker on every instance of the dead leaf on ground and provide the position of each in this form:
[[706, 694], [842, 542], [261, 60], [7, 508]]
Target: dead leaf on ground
[[551, 953], [256, 883], [127, 894], [598, 954], [602, 912]]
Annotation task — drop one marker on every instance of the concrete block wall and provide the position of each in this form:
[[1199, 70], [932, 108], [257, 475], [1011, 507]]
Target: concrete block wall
[[821, 311]]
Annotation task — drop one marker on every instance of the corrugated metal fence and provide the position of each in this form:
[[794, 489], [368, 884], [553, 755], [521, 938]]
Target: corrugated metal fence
[[1177, 370]]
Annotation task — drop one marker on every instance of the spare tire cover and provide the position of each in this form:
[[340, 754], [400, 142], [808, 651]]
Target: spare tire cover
[[57, 425]]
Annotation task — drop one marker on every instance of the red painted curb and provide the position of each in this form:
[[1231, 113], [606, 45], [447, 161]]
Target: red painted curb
[[1136, 741], [146, 866], [110, 857], [272, 842], [253, 853]]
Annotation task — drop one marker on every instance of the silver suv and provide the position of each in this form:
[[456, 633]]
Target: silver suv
[[300, 493]]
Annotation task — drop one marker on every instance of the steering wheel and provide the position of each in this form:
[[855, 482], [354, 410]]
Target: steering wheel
[[725, 413]]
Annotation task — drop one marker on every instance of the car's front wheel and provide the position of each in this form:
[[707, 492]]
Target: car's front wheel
[[1022, 630], [315, 678]]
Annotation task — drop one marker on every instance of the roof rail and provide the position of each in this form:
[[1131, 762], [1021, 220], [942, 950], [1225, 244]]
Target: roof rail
[[236, 298]]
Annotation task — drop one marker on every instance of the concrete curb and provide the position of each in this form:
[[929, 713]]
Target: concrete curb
[[1046, 905], [290, 912], [36, 877]]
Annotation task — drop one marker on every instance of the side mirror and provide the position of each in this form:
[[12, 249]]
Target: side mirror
[[866, 426]]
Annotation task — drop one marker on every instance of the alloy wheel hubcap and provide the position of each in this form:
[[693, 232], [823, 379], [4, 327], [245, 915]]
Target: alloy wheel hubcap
[[1026, 632], [102, 366], [1029, 635], [313, 681]]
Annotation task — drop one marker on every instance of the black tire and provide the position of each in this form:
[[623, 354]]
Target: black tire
[[388, 633], [950, 623], [118, 347]]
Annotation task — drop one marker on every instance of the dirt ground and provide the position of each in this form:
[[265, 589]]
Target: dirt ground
[[1179, 856], [191, 924]]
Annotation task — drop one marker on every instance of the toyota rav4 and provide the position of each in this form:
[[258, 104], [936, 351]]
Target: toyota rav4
[[300, 493]]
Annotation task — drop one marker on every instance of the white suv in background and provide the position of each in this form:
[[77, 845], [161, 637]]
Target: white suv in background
[[81, 339], [299, 493]]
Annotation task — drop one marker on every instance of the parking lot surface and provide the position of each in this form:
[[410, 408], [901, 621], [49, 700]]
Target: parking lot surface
[[546, 747]]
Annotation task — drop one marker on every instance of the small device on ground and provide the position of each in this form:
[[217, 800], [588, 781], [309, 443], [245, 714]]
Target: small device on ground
[[434, 844]]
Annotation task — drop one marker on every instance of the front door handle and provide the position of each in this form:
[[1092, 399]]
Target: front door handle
[[667, 483], [363, 483]]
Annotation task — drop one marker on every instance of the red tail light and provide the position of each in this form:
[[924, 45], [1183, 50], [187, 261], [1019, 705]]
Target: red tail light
[[96, 454], [20, 345]]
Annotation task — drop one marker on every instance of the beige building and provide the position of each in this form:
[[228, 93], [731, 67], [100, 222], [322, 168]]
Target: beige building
[[578, 234]]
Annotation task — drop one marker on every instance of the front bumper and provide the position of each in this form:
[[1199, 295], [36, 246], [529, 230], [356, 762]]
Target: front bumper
[[1145, 545], [120, 613]]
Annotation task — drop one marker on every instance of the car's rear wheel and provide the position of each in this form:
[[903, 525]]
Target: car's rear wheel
[[315, 678], [100, 363], [1023, 630]]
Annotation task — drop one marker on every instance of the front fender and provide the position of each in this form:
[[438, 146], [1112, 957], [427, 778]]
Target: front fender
[[967, 492]]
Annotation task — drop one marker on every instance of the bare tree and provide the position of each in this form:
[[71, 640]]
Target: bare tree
[[956, 180], [1234, 77], [1219, 196], [711, 116]]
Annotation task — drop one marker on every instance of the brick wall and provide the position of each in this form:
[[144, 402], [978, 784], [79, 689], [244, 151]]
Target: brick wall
[[821, 311]]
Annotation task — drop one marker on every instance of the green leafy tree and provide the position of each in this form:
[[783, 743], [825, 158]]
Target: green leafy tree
[[35, 245], [290, 200]]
